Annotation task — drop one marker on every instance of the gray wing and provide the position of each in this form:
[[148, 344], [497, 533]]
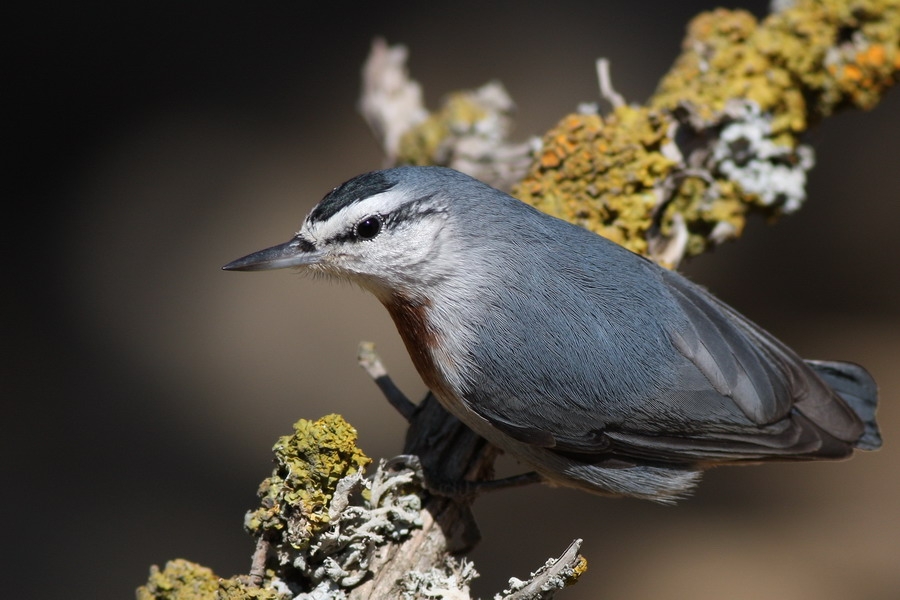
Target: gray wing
[[738, 395]]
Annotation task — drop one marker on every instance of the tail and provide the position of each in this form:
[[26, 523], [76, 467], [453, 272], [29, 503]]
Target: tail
[[857, 388]]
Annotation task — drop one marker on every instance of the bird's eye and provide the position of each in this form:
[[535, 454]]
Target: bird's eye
[[368, 227]]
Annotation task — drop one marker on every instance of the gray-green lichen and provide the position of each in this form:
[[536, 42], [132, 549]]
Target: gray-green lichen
[[449, 581], [338, 557]]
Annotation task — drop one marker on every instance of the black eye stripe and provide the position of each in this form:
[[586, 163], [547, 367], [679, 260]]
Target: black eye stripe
[[374, 224]]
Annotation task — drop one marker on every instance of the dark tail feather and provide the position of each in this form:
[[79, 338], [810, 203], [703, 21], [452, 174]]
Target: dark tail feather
[[858, 389]]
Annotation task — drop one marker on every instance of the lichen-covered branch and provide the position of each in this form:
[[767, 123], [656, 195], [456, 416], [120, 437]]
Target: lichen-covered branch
[[469, 133], [719, 139], [327, 532]]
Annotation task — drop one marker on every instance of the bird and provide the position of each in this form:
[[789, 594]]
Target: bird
[[590, 364]]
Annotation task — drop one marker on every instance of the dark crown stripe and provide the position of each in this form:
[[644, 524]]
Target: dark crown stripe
[[350, 192]]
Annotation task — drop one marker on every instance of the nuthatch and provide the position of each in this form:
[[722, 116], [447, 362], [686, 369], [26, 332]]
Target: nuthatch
[[593, 365]]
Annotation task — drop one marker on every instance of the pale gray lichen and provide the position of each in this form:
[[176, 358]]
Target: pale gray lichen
[[746, 153], [468, 133], [448, 582], [391, 101], [556, 574], [338, 557]]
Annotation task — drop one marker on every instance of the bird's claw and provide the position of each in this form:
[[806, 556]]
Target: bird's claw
[[460, 490]]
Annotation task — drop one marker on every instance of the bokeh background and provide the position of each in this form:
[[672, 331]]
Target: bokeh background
[[150, 143]]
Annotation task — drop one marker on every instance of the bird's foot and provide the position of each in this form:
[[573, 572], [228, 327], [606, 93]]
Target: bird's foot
[[459, 489]]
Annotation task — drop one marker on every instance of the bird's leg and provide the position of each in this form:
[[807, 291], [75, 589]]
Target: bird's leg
[[369, 360], [460, 489], [455, 489]]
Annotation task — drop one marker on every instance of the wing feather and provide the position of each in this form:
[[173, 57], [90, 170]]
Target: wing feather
[[739, 395]]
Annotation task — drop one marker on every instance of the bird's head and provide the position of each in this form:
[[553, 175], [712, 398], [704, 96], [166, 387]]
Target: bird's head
[[387, 231]]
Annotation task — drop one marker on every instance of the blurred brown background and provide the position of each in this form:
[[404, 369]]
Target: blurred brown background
[[142, 389]]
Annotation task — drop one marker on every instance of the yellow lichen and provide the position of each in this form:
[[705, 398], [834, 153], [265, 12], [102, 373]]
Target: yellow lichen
[[180, 580], [578, 570], [716, 65], [421, 144], [827, 52], [617, 159], [184, 580], [309, 464]]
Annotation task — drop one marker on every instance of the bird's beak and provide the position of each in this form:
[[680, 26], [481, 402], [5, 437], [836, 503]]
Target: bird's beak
[[295, 253]]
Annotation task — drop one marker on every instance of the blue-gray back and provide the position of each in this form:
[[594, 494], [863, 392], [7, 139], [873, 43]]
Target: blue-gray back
[[583, 346]]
